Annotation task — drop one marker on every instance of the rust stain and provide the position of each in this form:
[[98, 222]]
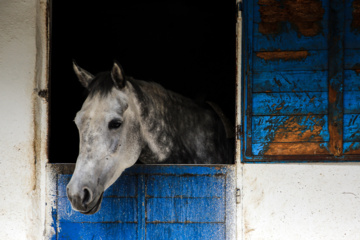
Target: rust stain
[[357, 71], [292, 131], [292, 138], [352, 150], [335, 131], [283, 55], [305, 148], [332, 95], [336, 146], [304, 15], [279, 107], [355, 24]]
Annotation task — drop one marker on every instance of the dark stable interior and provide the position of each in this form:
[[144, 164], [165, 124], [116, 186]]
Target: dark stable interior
[[187, 46]]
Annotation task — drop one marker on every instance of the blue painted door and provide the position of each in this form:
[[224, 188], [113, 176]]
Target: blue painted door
[[301, 80], [153, 202]]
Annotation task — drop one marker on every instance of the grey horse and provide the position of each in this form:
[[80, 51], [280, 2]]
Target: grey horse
[[124, 120]]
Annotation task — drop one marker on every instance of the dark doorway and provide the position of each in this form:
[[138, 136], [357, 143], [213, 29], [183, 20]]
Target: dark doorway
[[187, 46]]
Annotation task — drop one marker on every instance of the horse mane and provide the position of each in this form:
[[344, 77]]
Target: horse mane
[[102, 85]]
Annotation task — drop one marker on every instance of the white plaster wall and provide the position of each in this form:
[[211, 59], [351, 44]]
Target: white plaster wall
[[301, 201], [20, 209]]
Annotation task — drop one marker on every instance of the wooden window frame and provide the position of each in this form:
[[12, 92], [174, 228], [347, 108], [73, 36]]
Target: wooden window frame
[[335, 91]]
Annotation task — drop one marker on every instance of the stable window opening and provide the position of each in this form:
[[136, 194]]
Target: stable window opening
[[185, 46]]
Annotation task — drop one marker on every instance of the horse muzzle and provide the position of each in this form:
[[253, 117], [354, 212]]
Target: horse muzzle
[[84, 201]]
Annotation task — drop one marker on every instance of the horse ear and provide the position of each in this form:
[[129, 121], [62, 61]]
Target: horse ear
[[118, 76], [84, 76]]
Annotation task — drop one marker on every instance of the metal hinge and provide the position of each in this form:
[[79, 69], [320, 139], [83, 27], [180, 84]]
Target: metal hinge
[[238, 196]]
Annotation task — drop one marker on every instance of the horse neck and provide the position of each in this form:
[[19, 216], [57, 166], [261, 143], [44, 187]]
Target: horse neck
[[160, 105], [163, 116]]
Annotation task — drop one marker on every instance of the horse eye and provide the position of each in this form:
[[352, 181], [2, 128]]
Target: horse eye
[[113, 124]]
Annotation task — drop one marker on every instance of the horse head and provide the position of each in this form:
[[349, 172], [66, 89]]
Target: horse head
[[110, 138]]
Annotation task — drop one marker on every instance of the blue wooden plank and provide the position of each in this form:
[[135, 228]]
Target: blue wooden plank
[[200, 210], [125, 186], [98, 231], [141, 199], [290, 61], [352, 59], [288, 36], [294, 81], [351, 102], [176, 231], [351, 148], [352, 39], [289, 39], [352, 127], [312, 128], [290, 103], [352, 80], [185, 186], [303, 148], [63, 180], [178, 169], [352, 34], [54, 224], [112, 210]]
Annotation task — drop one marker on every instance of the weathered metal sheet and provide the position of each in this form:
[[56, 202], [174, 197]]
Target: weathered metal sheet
[[155, 202]]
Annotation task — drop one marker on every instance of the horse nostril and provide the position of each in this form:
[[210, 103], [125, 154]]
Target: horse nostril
[[87, 197]]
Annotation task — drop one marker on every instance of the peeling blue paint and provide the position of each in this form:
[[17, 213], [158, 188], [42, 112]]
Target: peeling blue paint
[[155, 202]]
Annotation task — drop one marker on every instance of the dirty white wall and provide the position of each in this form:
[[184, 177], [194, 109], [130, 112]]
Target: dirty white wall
[[305, 201], [301, 201], [21, 210]]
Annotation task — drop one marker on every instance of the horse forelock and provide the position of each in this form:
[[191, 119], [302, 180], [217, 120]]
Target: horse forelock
[[101, 85]]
